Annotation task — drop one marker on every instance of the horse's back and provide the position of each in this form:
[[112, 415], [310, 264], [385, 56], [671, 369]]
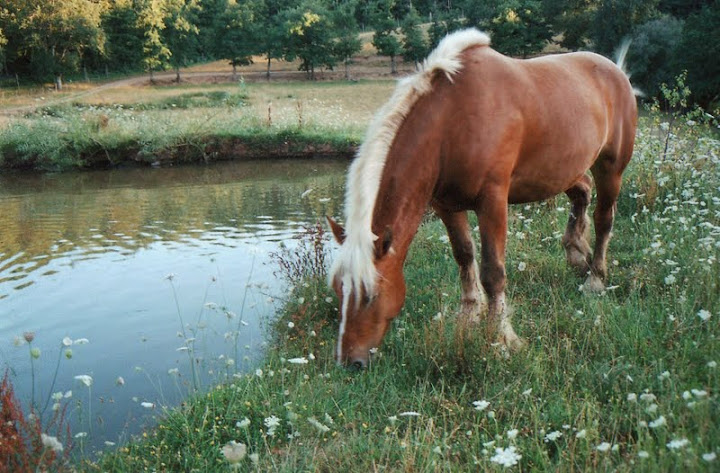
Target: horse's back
[[541, 123]]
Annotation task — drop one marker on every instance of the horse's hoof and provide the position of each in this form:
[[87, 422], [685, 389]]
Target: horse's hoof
[[593, 284]]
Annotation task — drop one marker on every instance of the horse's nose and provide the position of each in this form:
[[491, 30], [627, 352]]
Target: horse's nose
[[358, 365]]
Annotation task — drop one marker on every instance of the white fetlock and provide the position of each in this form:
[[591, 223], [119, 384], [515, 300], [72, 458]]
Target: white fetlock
[[509, 339], [593, 284]]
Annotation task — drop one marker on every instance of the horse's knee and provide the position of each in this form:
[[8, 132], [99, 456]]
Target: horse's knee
[[492, 278]]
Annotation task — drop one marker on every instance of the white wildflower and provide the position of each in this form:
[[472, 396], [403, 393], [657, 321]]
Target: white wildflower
[[481, 405], [603, 447], [522, 266], [677, 444], [659, 422], [704, 315], [581, 434], [643, 454], [243, 424], [67, 341], [648, 397], [709, 457], [506, 457], [49, 441], [272, 423], [699, 393], [85, 379], [298, 361], [234, 451], [632, 397], [147, 405], [552, 436], [512, 434]]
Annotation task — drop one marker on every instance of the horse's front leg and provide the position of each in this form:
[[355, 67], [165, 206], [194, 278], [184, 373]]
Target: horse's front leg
[[492, 217], [473, 302]]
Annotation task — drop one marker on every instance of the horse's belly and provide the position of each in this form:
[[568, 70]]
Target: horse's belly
[[524, 190]]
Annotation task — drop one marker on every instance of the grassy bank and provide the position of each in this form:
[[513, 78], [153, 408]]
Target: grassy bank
[[622, 381], [192, 123]]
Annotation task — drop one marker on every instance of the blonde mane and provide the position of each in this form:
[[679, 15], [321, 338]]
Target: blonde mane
[[355, 261]]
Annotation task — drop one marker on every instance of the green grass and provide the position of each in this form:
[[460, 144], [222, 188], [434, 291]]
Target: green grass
[[633, 369], [192, 124]]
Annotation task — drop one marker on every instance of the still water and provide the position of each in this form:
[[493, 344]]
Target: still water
[[152, 267]]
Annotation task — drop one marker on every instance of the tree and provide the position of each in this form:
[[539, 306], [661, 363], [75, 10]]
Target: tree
[[347, 42], [385, 39], [151, 21], [237, 32], [310, 36], [613, 21], [274, 39], [519, 29], [571, 20], [52, 36], [180, 32], [124, 36], [699, 51], [443, 24], [415, 47], [651, 57]]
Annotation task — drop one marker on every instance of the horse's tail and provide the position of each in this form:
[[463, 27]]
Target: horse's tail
[[620, 62]]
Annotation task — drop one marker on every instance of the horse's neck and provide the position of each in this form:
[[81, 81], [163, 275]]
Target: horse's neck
[[406, 189]]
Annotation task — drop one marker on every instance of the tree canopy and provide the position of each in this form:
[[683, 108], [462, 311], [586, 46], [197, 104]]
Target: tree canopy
[[44, 40]]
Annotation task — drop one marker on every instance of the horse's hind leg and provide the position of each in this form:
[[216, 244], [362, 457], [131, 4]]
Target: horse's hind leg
[[473, 302], [577, 249], [607, 184]]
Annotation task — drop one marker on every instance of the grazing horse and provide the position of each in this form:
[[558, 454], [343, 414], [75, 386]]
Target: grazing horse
[[476, 130]]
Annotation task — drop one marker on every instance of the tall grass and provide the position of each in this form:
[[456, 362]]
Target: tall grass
[[193, 124], [622, 381]]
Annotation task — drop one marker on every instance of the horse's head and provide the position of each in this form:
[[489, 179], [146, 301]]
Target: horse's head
[[366, 312]]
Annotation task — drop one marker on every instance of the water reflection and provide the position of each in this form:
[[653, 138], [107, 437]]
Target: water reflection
[[87, 255]]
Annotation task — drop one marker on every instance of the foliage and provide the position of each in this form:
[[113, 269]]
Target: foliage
[[518, 28], [415, 47], [40, 40], [310, 34], [51, 38], [347, 43], [650, 59], [699, 53], [24, 445], [385, 40]]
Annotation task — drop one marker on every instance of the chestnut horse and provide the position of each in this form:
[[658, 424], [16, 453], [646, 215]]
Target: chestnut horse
[[476, 130]]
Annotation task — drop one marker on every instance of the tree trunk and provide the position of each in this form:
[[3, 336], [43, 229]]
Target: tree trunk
[[58, 83], [177, 74], [347, 68], [234, 72], [267, 74], [393, 68], [107, 71]]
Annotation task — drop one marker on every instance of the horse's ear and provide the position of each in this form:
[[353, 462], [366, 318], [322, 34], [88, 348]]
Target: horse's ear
[[385, 244], [337, 230]]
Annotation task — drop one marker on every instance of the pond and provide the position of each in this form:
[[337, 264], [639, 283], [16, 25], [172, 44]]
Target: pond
[[153, 268]]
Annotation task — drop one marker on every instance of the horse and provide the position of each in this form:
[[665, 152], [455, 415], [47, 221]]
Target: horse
[[475, 130]]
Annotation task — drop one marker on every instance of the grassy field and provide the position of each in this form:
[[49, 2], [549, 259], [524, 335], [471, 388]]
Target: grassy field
[[626, 380], [196, 122]]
